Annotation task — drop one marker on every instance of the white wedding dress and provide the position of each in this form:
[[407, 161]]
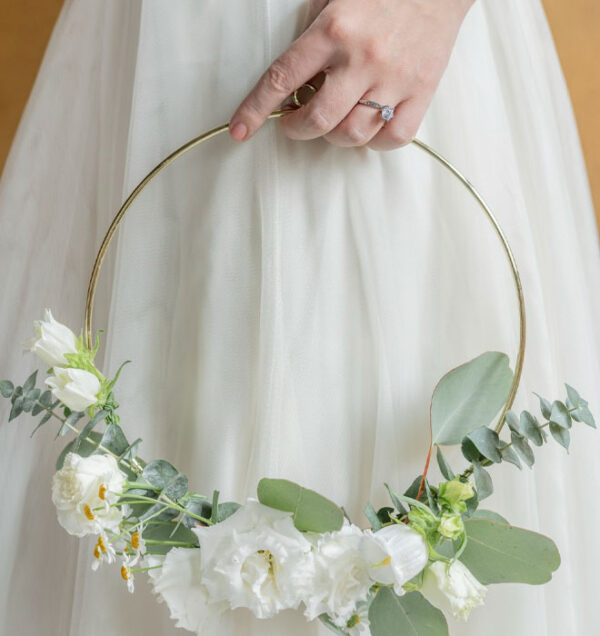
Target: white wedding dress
[[289, 306]]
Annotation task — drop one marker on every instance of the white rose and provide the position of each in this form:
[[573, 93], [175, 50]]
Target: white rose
[[76, 388], [454, 585], [252, 559], [340, 577], [82, 491], [52, 341], [395, 554], [179, 584]]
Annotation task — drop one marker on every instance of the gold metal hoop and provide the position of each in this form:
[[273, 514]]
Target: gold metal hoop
[[89, 303]]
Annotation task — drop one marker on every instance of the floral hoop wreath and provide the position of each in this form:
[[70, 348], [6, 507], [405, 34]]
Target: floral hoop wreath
[[432, 550]]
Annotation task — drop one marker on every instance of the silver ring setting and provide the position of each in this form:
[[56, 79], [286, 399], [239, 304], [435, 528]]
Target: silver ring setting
[[387, 112]]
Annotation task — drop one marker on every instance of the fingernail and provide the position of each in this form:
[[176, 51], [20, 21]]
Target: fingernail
[[239, 131]]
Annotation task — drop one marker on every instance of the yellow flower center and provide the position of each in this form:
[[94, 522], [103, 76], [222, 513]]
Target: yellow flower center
[[97, 551], [125, 573], [102, 491], [101, 544], [386, 561], [87, 511], [135, 540]]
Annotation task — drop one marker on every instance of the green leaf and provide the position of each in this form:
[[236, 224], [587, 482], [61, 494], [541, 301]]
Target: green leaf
[[560, 434], [500, 553], [411, 491], [17, 408], [483, 481], [472, 504], [30, 382], [583, 414], [408, 615], [226, 509], [545, 406], [386, 514], [41, 423], [486, 441], [572, 395], [513, 421], [44, 400], [560, 415], [509, 455], [469, 397], [310, 511], [530, 428], [199, 506], [371, 515], [114, 439], [71, 420], [521, 445], [489, 514], [164, 476], [85, 449], [6, 388], [444, 465], [85, 431], [172, 532]]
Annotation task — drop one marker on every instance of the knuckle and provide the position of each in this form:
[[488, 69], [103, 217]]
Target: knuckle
[[278, 78], [337, 27], [317, 120], [355, 136], [375, 53], [402, 136]]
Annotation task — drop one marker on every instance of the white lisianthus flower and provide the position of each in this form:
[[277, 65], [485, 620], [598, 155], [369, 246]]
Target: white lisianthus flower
[[53, 340], [253, 559], [82, 491], [395, 554], [179, 584], [452, 584], [75, 388], [340, 577]]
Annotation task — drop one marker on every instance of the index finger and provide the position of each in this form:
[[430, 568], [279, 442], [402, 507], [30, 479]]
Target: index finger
[[302, 60]]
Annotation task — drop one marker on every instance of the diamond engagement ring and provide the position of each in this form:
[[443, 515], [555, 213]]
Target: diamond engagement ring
[[387, 112]]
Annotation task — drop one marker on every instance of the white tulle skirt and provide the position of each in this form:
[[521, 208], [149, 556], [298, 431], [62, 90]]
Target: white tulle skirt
[[289, 306]]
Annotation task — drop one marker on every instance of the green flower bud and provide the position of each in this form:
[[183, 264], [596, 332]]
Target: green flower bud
[[451, 526], [423, 521], [453, 494]]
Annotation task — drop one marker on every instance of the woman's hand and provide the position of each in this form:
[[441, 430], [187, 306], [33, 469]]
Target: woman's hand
[[389, 51]]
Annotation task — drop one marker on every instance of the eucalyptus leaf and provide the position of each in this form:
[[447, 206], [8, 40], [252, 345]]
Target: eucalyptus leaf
[[573, 396], [530, 428], [486, 441], [43, 403], [30, 382], [521, 445], [30, 399], [371, 515], [513, 421], [509, 455], [545, 406], [469, 397], [171, 532], [560, 434], [85, 431], [114, 439], [583, 414], [500, 553], [444, 465], [310, 511], [483, 481], [386, 514], [408, 615], [41, 423], [85, 449], [199, 506], [489, 514], [6, 388], [166, 478], [71, 421], [226, 509], [560, 415], [17, 408], [412, 491]]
